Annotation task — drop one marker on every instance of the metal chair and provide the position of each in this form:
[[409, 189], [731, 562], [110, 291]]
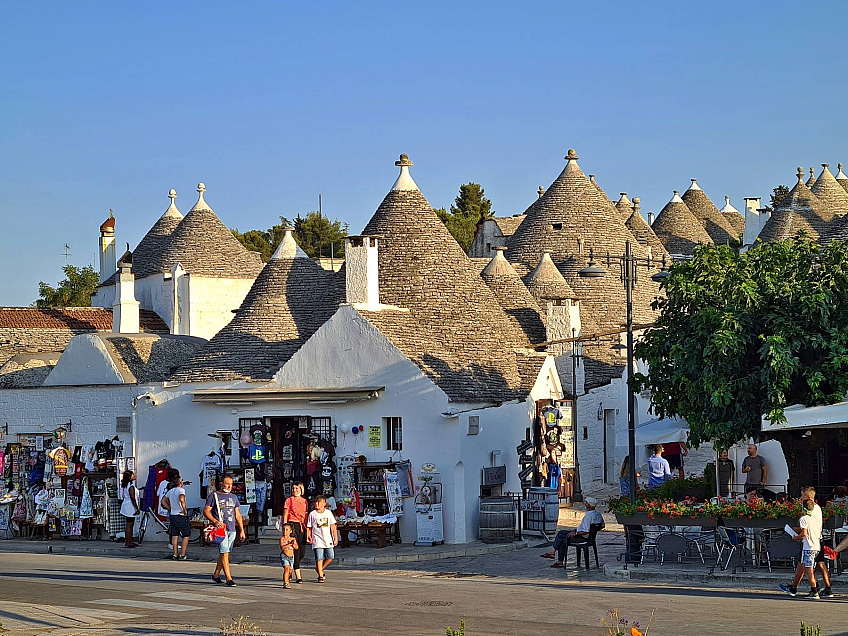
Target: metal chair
[[649, 542], [589, 542], [782, 548], [672, 544], [731, 544]]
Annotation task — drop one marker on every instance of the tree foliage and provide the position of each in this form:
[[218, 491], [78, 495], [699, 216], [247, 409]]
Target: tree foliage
[[315, 234], [776, 197], [745, 335], [470, 207], [75, 290], [310, 232]]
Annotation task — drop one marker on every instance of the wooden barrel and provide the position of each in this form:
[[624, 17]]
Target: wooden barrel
[[544, 520], [497, 519]]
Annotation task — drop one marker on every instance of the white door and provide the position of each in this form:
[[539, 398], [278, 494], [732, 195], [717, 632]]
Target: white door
[[611, 472]]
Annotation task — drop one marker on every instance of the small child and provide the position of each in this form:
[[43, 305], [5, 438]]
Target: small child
[[322, 533], [288, 544]]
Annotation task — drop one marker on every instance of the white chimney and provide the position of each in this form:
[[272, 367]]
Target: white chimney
[[754, 220], [107, 247], [125, 311], [361, 279], [650, 218]]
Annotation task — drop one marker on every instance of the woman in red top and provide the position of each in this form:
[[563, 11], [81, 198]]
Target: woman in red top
[[295, 510]]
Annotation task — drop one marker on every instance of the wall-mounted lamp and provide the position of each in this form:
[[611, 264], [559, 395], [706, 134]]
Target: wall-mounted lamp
[[601, 412], [61, 433]]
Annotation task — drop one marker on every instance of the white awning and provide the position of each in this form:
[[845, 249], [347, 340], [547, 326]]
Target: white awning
[[228, 397], [799, 416], [662, 431]]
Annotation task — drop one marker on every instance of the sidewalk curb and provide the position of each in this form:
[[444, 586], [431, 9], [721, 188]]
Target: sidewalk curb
[[206, 553], [717, 578]]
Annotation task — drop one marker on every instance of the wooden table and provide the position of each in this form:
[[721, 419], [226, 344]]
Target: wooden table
[[378, 530]]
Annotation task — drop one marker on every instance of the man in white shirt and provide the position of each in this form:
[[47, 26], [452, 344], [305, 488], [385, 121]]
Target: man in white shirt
[[809, 533], [565, 538]]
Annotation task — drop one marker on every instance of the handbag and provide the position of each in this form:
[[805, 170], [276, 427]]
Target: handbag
[[211, 533]]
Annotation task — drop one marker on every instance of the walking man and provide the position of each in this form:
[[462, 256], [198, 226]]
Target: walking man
[[755, 467], [222, 509]]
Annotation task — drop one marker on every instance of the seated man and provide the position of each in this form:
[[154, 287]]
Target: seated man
[[564, 538]]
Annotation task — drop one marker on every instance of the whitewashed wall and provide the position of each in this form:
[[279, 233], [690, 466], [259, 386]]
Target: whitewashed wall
[[85, 361], [91, 409]]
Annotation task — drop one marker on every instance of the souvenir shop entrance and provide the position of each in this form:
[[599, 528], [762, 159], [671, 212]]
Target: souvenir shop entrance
[[277, 452]]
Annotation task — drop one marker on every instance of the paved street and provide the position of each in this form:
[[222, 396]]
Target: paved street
[[510, 593]]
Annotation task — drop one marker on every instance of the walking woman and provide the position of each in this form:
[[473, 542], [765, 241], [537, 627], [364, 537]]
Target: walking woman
[[295, 512], [174, 502], [624, 477], [129, 505]]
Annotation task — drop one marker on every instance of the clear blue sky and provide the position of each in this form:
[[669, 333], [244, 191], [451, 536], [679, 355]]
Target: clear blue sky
[[108, 105]]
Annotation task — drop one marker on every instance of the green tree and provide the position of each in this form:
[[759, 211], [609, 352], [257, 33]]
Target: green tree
[[256, 241], [315, 234], [470, 208], [776, 197], [75, 290], [741, 336]]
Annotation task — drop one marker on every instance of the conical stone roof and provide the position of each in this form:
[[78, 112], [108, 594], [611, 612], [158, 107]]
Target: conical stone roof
[[571, 219], [842, 178], [624, 205], [830, 193], [514, 297], [546, 282], [733, 217], [598, 187], [812, 180], [205, 247], [156, 240], [639, 227], [678, 229], [799, 210], [287, 303], [719, 228], [451, 324]]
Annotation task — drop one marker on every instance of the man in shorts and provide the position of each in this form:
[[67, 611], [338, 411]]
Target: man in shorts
[[222, 509], [809, 533], [673, 453]]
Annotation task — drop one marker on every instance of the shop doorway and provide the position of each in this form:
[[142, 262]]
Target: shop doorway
[[303, 451]]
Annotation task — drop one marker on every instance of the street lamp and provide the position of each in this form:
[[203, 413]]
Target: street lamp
[[628, 264], [577, 495]]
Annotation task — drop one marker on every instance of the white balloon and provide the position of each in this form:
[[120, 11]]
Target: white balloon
[[344, 427]]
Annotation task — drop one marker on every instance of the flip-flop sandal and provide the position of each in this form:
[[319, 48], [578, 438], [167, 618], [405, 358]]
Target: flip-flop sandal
[[547, 556], [299, 581], [557, 565], [286, 586], [321, 579]]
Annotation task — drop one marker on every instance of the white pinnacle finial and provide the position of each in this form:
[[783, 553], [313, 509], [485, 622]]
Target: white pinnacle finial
[[172, 210], [288, 247], [694, 185], [840, 174], [201, 204], [727, 209], [404, 180], [676, 198]]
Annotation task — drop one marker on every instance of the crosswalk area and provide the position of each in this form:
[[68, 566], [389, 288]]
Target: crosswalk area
[[133, 607]]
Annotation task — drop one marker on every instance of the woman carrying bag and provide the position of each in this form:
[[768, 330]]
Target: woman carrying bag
[[129, 505], [295, 511]]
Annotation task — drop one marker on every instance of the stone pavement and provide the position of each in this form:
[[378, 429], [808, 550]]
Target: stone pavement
[[268, 553]]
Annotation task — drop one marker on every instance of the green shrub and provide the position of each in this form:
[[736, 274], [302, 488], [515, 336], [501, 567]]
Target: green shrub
[[450, 631]]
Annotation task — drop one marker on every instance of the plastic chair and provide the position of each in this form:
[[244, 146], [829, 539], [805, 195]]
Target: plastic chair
[[649, 543], [589, 542], [672, 544]]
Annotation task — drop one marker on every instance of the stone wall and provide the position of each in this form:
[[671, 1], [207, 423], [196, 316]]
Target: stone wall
[[15, 341]]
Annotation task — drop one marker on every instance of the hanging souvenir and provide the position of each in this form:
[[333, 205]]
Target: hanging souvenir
[[60, 461], [86, 509]]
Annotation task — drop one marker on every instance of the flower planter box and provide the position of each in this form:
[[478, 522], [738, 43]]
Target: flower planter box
[[744, 522], [642, 519], [836, 521]]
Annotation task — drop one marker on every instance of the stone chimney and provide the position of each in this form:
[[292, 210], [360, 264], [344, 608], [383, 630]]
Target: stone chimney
[[754, 220], [361, 272], [562, 322], [107, 247], [125, 311]]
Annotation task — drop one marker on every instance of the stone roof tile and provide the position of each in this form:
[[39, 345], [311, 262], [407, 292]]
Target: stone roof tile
[[514, 297], [828, 190], [719, 228]]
